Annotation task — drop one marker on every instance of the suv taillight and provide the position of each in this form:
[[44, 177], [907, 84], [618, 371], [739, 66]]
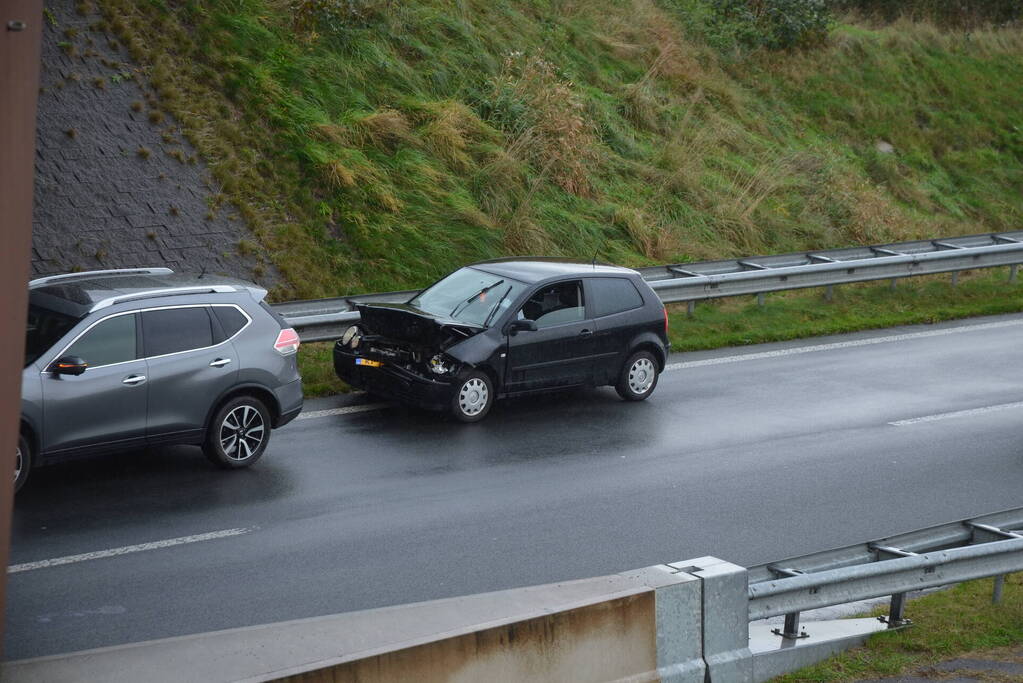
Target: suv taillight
[[287, 342]]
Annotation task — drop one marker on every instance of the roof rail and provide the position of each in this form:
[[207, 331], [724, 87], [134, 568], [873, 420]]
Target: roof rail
[[173, 291], [50, 279]]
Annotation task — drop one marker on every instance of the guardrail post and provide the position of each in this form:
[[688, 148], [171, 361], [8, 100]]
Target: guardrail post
[[955, 278], [760, 299], [996, 595], [893, 283], [690, 308], [897, 611], [829, 292], [1012, 273], [725, 589]]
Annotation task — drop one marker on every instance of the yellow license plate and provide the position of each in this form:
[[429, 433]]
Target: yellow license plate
[[370, 363]]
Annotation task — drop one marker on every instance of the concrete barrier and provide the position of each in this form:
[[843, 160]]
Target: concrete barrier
[[643, 625]]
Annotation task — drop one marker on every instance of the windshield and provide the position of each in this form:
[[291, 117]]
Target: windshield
[[45, 328], [470, 296]]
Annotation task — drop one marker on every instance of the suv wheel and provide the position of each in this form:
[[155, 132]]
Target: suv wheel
[[238, 433], [473, 398], [22, 463], [639, 377]]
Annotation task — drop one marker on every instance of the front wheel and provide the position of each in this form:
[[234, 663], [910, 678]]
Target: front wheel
[[238, 433], [473, 397], [22, 463], [639, 377]]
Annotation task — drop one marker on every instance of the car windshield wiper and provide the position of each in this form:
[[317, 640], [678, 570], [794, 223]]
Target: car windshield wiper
[[497, 305], [477, 295]]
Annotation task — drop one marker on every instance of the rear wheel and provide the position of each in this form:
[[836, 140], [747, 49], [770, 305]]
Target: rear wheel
[[238, 433], [473, 397], [22, 463], [639, 377]]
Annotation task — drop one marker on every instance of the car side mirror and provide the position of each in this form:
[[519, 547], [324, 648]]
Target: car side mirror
[[522, 326], [68, 365]]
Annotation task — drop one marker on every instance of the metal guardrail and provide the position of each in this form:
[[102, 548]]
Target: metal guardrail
[[975, 548], [325, 319]]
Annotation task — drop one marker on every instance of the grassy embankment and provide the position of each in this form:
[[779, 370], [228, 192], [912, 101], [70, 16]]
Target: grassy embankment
[[948, 624], [378, 149]]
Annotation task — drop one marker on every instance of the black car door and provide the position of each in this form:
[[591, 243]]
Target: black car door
[[617, 308], [559, 352]]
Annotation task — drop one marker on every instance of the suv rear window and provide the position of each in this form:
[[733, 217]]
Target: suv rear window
[[611, 295], [172, 330], [231, 319]]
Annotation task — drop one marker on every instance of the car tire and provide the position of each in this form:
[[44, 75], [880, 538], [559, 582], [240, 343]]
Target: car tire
[[238, 433], [22, 463], [474, 396], [638, 378]]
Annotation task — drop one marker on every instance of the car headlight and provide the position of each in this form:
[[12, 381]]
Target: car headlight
[[346, 338], [440, 365]]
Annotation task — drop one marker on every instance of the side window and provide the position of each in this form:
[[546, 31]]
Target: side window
[[171, 330], [231, 319], [610, 295], [111, 341], [555, 304]]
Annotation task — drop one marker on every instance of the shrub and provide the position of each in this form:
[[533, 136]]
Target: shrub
[[956, 13], [774, 24]]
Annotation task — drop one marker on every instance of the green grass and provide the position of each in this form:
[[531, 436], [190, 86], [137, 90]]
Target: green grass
[[316, 364], [379, 151], [805, 313], [947, 624]]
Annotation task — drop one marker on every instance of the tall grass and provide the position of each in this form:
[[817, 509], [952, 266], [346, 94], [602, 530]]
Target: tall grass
[[379, 148]]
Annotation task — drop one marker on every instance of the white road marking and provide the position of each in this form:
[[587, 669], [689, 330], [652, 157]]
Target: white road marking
[[125, 550], [341, 411], [958, 413], [684, 365], [843, 345]]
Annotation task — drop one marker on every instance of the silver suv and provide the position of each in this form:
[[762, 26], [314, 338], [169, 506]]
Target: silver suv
[[122, 359]]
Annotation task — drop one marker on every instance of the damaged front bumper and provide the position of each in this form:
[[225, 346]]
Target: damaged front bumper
[[393, 381]]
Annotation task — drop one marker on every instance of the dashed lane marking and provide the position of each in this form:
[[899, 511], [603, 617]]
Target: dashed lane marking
[[126, 550], [959, 413]]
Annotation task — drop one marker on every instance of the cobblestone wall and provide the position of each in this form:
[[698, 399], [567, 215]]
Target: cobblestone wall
[[117, 185]]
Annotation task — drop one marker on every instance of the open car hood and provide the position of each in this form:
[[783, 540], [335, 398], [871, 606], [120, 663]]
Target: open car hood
[[406, 323]]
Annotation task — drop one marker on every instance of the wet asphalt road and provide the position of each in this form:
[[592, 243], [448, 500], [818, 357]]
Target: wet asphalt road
[[751, 461]]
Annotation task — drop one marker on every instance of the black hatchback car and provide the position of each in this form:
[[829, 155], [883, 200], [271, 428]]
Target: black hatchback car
[[509, 327]]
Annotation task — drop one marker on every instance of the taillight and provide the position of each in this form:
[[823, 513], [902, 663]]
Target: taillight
[[665, 320], [287, 342]]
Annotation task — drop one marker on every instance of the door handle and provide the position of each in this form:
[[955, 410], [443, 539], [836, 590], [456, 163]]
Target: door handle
[[219, 363], [586, 333], [133, 380]]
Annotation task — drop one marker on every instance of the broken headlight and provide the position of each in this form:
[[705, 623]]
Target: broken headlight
[[439, 365]]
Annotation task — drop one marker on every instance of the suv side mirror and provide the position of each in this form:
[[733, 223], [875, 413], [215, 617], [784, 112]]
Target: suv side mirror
[[68, 365], [522, 326]]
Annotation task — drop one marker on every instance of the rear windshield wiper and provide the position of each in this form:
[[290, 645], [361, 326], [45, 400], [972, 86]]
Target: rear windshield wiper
[[474, 297]]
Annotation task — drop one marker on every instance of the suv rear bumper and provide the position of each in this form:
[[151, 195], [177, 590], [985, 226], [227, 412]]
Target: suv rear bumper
[[289, 398]]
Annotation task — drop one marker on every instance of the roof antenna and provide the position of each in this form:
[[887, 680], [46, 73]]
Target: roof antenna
[[594, 263]]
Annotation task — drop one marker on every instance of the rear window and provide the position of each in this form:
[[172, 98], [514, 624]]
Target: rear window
[[231, 319], [609, 295], [172, 330]]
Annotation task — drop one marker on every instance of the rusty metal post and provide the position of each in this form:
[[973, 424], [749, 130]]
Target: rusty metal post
[[20, 35]]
